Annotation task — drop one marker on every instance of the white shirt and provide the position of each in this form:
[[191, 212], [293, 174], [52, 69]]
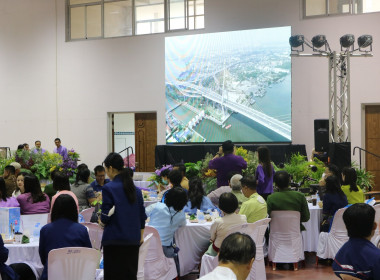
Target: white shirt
[[220, 273]]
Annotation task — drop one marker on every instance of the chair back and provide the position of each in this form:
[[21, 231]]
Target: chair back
[[338, 228], [142, 255], [95, 231], [285, 239], [87, 214], [157, 266], [74, 263]]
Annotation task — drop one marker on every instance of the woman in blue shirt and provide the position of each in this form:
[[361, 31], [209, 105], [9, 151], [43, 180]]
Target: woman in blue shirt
[[197, 198], [63, 231], [123, 215], [333, 200], [167, 218]]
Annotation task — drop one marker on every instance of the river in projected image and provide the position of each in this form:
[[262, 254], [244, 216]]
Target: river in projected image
[[229, 86]]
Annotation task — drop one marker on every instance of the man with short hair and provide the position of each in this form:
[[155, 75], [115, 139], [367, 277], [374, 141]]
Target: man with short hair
[[286, 199], [226, 163], [37, 149], [59, 149], [255, 208], [236, 256], [17, 167], [10, 179], [26, 146], [100, 178], [358, 257]]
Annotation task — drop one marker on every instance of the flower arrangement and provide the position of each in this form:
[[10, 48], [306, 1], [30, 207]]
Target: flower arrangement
[[46, 161]]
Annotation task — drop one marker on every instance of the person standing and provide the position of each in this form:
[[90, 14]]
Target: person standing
[[264, 173], [59, 149], [37, 149], [226, 163], [123, 216]]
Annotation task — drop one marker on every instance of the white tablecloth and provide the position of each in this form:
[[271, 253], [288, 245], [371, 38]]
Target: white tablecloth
[[26, 253], [192, 240], [311, 235], [143, 184]]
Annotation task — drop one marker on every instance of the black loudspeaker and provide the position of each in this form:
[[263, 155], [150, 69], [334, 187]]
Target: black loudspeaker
[[321, 135], [340, 154]]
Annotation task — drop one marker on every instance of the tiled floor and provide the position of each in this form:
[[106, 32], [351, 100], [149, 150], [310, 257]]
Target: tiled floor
[[321, 272]]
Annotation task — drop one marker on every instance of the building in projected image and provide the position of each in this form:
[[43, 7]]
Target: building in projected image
[[230, 85]]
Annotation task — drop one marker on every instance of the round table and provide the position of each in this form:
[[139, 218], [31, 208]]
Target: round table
[[310, 236]]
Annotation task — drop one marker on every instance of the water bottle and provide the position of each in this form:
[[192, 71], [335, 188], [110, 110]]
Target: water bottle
[[36, 232], [80, 218], [101, 265], [200, 217]]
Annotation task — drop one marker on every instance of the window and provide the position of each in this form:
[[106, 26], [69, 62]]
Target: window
[[91, 19], [333, 7]]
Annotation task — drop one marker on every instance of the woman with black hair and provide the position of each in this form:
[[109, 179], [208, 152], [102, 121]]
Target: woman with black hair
[[167, 217], [197, 198], [63, 231], [82, 189], [61, 185], [228, 203], [353, 192], [123, 215], [6, 201], [264, 173], [33, 200], [333, 200]]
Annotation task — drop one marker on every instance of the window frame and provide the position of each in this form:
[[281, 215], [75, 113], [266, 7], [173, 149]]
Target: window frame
[[166, 19]]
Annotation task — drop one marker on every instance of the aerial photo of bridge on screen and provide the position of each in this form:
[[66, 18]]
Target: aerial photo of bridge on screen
[[229, 86]]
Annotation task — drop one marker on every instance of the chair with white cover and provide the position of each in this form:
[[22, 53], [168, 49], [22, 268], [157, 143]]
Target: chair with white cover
[[95, 231], [87, 214], [157, 266], [376, 236], [142, 255], [329, 243], [74, 263], [256, 231], [285, 238]]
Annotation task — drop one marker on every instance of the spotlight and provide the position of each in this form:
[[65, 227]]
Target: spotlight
[[365, 41], [318, 41], [347, 41], [296, 41]]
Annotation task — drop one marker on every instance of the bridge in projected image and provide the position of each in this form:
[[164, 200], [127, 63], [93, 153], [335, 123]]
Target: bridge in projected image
[[193, 91]]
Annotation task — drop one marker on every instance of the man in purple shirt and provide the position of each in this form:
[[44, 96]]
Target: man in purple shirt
[[226, 163], [60, 149], [37, 149]]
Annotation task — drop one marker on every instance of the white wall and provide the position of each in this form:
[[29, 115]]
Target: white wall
[[49, 87]]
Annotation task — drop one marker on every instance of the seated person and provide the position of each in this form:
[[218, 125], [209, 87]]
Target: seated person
[[63, 231], [17, 167], [20, 184], [228, 204], [175, 178], [10, 179], [197, 198], [330, 169], [353, 192], [61, 185], [286, 199], [33, 200], [167, 217], [184, 182], [255, 208], [234, 186], [49, 190], [165, 180], [82, 190], [358, 257], [100, 179], [6, 201], [236, 257], [333, 200]]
